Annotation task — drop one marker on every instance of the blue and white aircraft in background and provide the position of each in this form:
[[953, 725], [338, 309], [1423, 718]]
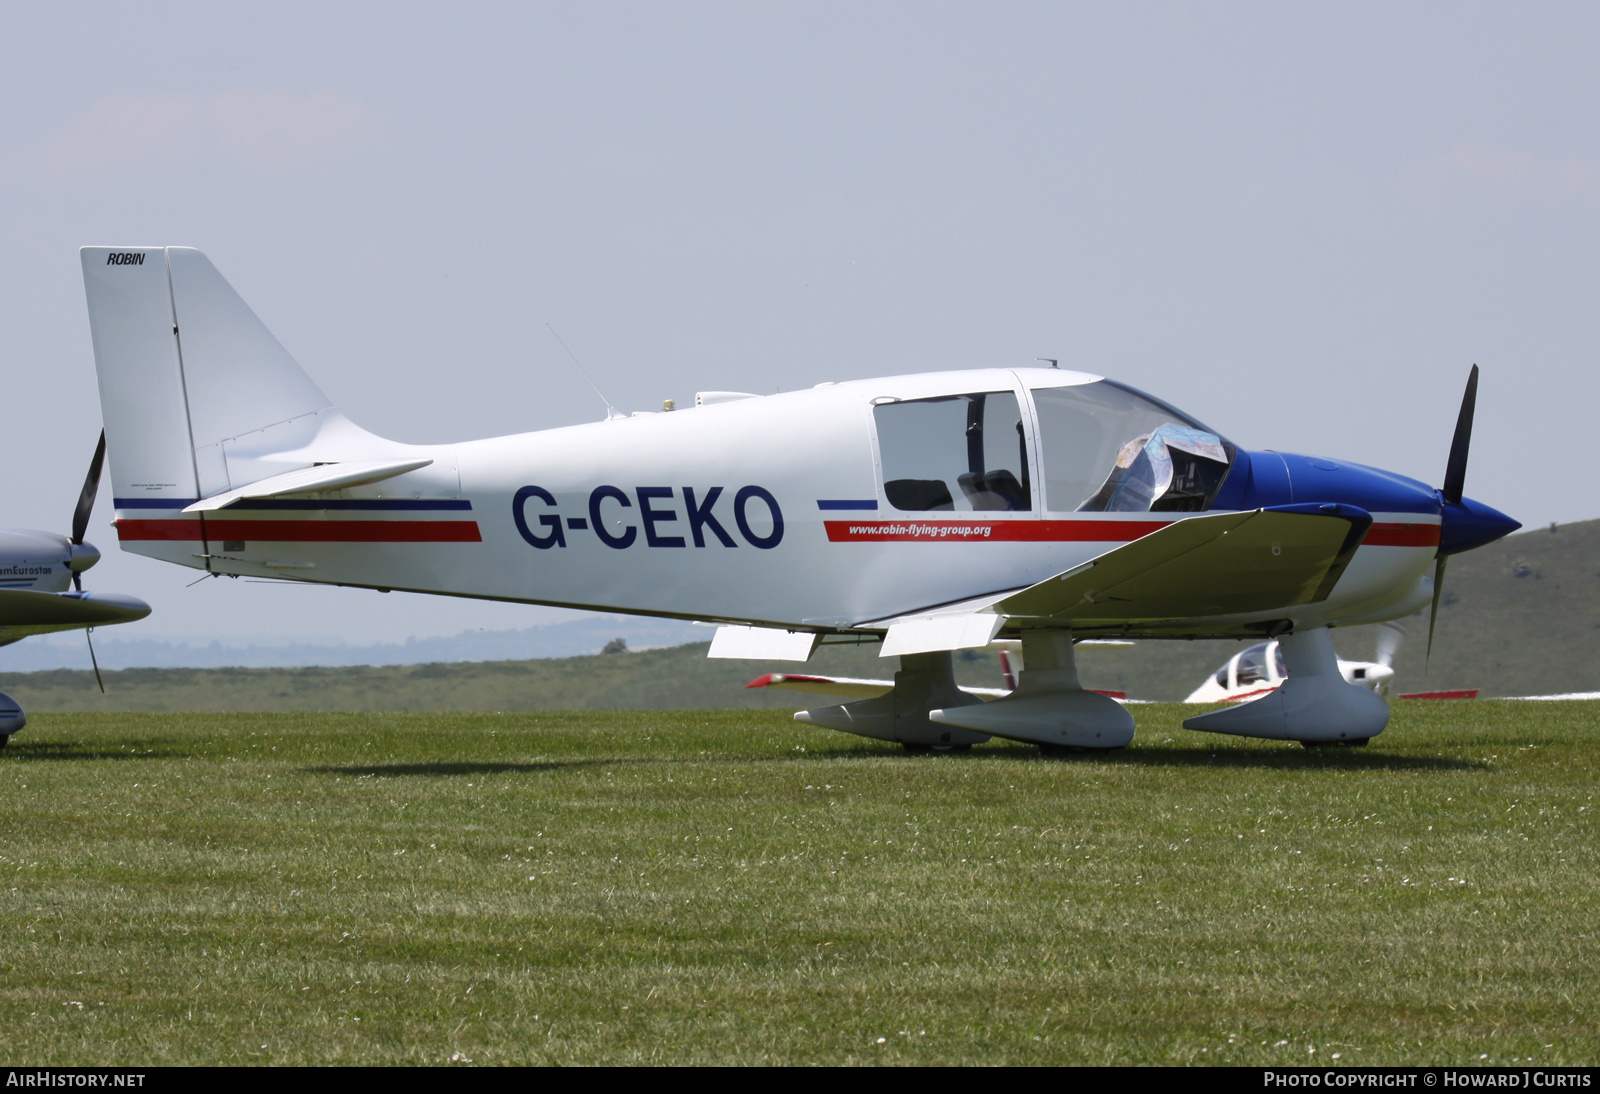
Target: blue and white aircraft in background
[[931, 513], [41, 588]]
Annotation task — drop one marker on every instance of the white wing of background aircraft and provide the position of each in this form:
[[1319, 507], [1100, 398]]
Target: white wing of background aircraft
[[931, 512]]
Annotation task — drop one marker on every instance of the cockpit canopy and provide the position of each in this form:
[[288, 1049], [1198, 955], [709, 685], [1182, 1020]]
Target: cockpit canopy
[[1106, 448], [1103, 448], [1260, 664]]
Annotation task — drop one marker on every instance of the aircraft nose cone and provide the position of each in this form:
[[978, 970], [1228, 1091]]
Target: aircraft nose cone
[[81, 556], [1468, 524]]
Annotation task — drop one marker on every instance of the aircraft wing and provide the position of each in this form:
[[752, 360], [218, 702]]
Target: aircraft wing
[[1225, 564], [24, 612]]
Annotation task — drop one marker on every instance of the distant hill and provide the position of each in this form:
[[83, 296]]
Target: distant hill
[[1520, 617]]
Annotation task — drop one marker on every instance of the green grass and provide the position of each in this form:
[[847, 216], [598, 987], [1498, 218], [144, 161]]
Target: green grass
[[723, 886]]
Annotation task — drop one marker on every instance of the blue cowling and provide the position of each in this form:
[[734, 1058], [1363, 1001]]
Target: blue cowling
[[1264, 480]]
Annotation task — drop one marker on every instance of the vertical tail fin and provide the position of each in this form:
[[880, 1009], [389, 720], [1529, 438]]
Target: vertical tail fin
[[188, 374]]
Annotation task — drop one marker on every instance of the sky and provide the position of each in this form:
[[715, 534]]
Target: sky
[[1300, 223]]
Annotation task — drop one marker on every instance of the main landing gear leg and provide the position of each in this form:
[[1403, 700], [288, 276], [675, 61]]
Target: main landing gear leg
[[1314, 706], [925, 682]]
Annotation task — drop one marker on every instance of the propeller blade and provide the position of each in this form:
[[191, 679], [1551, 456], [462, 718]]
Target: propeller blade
[[1390, 635], [1455, 470], [91, 487], [88, 631], [1433, 616]]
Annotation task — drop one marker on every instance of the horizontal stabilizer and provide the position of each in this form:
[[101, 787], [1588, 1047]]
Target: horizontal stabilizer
[[1224, 564], [308, 480]]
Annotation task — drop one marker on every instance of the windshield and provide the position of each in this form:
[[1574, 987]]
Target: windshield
[[1107, 448]]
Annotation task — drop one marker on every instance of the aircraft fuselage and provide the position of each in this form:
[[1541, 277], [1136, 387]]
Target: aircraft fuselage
[[770, 510]]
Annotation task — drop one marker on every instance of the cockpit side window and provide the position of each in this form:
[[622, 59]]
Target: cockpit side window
[[955, 453], [1106, 448]]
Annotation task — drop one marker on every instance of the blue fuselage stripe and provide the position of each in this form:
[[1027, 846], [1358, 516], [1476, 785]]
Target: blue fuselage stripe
[[388, 504], [303, 505], [847, 504]]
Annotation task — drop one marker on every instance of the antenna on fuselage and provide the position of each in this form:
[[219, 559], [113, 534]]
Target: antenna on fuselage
[[1055, 362], [611, 411]]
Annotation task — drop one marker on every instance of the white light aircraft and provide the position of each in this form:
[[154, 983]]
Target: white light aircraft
[[41, 588], [933, 512]]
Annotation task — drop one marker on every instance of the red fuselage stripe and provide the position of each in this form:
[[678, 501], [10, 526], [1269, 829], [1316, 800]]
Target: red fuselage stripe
[[839, 531], [1070, 531], [977, 531], [305, 531], [1402, 535]]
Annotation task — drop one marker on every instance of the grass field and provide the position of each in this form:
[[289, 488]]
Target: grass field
[[728, 886]]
